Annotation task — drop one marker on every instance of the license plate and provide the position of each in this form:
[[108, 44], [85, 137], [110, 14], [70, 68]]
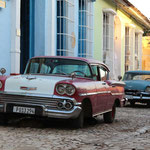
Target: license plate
[[129, 96], [23, 110]]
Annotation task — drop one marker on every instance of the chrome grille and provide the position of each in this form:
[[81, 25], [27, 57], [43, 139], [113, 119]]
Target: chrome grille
[[29, 100], [131, 92]]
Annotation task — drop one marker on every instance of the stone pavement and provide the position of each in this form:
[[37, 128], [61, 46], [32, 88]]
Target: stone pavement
[[130, 131]]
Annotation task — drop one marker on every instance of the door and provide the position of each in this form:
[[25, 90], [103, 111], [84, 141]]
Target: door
[[27, 32], [24, 34], [101, 87]]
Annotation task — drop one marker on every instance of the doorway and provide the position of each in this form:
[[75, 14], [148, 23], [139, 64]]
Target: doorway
[[25, 21], [27, 32]]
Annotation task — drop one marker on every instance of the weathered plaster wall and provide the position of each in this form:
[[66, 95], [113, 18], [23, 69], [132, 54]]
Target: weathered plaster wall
[[5, 36], [146, 53], [99, 5]]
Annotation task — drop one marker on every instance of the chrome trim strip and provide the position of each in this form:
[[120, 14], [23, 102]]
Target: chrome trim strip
[[117, 93], [102, 113], [38, 95], [142, 98], [95, 93]]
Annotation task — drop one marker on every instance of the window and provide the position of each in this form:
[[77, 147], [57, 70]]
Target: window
[[65, 27], [108, 38], [103, 74], [95, 72], [54, 66], [136, 52], [85, 42], [129, 42], [127, 50]]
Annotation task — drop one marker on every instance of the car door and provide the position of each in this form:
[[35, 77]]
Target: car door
[[105, 92], [101, 88]]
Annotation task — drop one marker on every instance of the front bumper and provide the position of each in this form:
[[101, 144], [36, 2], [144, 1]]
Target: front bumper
[[44, 105], [141, 97]]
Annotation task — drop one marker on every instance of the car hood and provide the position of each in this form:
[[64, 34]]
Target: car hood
[[35, 84], [136, 84]]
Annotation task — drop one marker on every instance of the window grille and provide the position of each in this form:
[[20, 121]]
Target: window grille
[[140, 35], [108, 39], [127, 51], [129, 48], [85, 41], [136, 51], [65, 27]]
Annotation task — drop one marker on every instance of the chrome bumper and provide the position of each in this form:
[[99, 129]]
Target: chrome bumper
[[74, 113], [45, 104], [141, 97]]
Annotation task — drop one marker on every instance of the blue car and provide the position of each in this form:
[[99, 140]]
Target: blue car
[[137, 87]]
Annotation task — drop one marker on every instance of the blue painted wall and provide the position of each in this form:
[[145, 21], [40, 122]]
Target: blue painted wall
[[42, 30], [5, 36], [39, 46]]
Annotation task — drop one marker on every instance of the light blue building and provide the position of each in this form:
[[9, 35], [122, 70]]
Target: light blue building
[[44, 27]]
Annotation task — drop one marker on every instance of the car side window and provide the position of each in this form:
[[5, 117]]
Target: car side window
[[103, 73], [95, 72]]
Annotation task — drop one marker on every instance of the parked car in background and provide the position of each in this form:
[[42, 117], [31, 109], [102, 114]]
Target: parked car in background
[[62, 87], [137, 87]]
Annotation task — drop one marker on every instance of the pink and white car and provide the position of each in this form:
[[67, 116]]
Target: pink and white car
[[62, 87]]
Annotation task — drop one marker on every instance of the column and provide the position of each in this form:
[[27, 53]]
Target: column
[[15, 37]]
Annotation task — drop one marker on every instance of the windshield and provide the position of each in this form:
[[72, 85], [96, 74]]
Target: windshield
[[57, 66], [138, 76]]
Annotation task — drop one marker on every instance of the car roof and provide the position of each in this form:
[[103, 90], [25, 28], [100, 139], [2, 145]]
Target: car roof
[[89, 61], [139, 72]]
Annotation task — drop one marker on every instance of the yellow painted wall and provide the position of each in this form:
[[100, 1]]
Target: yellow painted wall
[[146, 53], [99, 5], [125, 20]]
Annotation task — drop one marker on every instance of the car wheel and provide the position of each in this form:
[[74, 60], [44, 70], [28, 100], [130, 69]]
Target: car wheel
[[79, 121], [110, 116], [132, 103], [148, 104]]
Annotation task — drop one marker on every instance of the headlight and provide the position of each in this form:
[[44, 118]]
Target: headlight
[[147, 89], [70, 90], [65, 89], [1, 84], [60, 89]]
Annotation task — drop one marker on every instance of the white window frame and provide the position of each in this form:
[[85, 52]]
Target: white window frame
[[85, 41], [129, 47], [108, 38], [138, 50], [65, 31]]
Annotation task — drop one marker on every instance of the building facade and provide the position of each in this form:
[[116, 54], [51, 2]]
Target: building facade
[[44, 27], [146, 53], [118, 31], [9, 40], [107, 30]]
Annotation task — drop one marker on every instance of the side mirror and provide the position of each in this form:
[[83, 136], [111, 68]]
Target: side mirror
[[2, 71], [119, 77]]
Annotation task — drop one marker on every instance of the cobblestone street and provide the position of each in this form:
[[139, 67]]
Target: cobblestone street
[[130, 131]]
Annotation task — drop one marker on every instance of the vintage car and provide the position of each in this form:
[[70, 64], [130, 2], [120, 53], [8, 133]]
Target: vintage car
[[137, 87], [62, 87]]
